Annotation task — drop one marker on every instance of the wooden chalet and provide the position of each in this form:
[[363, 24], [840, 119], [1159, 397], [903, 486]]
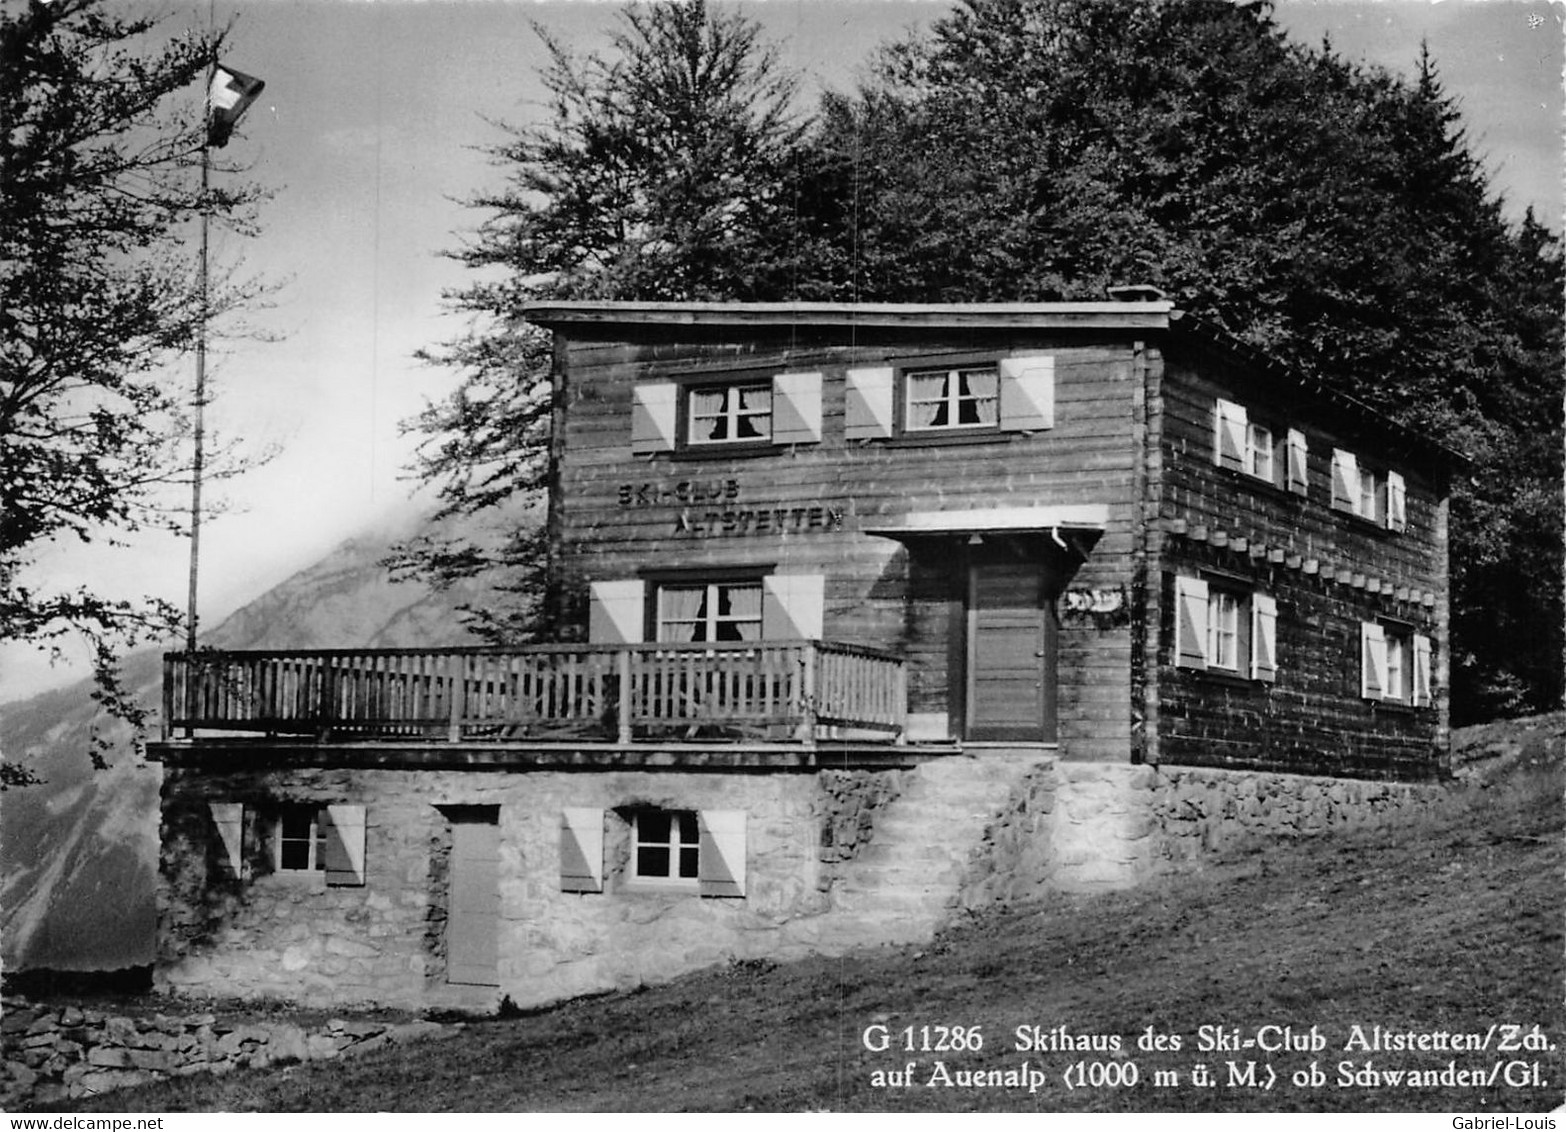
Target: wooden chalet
[[791, 541]]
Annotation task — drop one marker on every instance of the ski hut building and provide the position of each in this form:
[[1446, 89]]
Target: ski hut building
[[866, 612]]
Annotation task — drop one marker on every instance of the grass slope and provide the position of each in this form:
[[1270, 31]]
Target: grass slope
[[1453, 925]]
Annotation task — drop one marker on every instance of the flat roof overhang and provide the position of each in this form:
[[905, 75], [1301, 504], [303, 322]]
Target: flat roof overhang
[[1149, 315]]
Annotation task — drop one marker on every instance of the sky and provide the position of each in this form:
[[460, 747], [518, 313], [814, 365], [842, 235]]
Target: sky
[[369, 134]]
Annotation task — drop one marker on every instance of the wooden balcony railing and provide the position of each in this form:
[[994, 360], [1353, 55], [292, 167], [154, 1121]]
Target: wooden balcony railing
[[775, 690]]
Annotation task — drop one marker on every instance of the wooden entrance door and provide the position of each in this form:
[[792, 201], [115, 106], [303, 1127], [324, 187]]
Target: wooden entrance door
[[473, 915], [1011, 651]]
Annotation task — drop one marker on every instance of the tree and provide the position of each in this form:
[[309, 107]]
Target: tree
[[1326, 212], [100, 146], [667, 170]]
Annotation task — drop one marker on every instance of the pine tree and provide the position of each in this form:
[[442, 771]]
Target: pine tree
[[1327, 212], [666, 170]]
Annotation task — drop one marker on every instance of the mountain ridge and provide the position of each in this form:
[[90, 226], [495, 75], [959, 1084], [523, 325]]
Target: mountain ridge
[[79, 850]]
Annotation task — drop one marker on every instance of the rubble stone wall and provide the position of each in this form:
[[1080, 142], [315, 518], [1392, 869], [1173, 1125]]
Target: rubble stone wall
[[296, 937], [1084, 827], [53, 1052]]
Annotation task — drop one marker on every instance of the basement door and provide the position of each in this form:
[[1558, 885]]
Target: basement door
[[1011, 651], [473, 910]]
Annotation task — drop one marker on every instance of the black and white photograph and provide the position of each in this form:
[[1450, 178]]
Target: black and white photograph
[[782, 556]]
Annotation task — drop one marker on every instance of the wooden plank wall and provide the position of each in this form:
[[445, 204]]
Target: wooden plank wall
[[1312, 720], [879, 592]]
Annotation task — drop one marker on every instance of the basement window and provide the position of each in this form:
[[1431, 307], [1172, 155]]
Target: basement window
[[298, 841], [311, 841], [654, 849], [665, 847]]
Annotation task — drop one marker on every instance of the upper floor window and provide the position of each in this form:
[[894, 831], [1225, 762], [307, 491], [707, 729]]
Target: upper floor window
[[709, 414], [1248, 446], [718, 414], [1358, 490], [1258, 452], [952, 398], [931, 398]]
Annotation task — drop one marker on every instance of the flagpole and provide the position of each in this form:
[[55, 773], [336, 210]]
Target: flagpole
[[201, 377]]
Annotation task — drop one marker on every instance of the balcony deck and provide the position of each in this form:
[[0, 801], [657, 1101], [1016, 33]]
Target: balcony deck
[[773, 692]]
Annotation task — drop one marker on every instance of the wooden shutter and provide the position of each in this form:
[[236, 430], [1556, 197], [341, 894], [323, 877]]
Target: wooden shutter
[[1264, 638], [721, 867], [796, 408], [867, 405], [1397, 502], [1345, 481], [1190, 622], [228, 824], [617, 612], [1229, 433], [581, 850], [1373, 660], [654, 406], [1027, 393], [1298, 471], [794, 607], [344, 830], [1422, 697]]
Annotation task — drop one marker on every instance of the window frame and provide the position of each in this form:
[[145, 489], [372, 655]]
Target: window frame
[[711, 587], [1255, 451], [679, 850], [1371, 494], [1253, 614], [1220, 600], [1380, 495], [1259, 447], [315, 841], [731, 386], [953, 399], [1413, 652]]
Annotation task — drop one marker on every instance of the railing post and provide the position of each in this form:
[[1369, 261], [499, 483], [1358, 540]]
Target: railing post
[[456, 694], [327, 703], [808, 701], [168, 696], [622, 709], [900, 701]]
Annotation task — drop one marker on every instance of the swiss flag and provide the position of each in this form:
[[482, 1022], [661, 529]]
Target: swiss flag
[[228, 98]]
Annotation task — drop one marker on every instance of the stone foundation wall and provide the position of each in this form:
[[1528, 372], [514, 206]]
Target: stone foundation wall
[[1083, 827], [1200, 811], [831, 859], [271, 935], [54, 1052], [852, 800]]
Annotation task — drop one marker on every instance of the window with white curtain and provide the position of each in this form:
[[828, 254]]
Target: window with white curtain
[[710, 611], [953, 398], [722, 414]]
